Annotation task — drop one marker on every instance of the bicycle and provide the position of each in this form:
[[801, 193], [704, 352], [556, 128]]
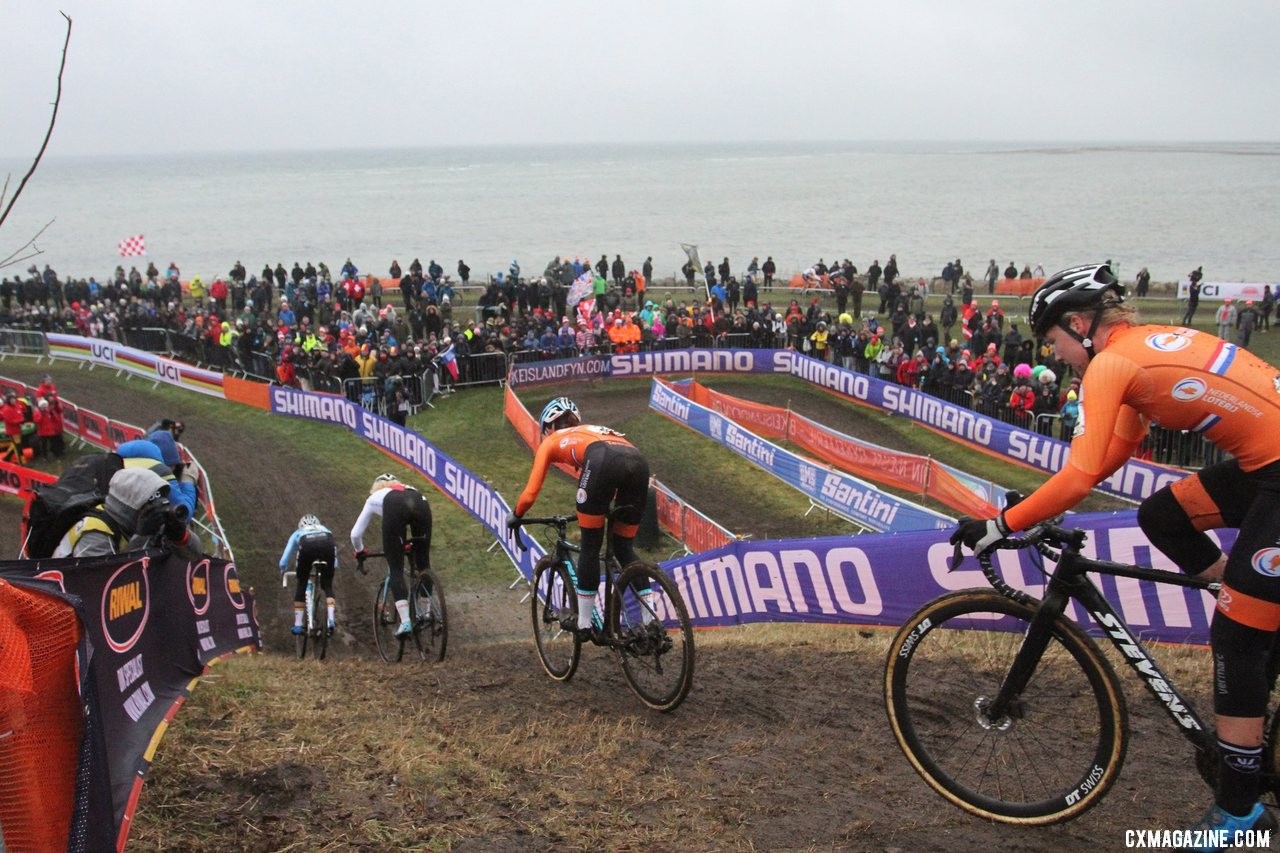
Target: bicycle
[[1025, 721], [427, 612], [656, 661], [315, 615]]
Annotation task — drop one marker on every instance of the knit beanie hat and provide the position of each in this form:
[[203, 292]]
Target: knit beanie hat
[[163, 439], [129, 491]]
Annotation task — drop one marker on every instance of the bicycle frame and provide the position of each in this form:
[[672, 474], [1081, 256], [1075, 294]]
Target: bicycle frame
[[563, 553], [1070, 580]]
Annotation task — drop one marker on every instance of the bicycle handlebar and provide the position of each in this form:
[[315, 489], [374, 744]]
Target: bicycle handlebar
[[284, 578]]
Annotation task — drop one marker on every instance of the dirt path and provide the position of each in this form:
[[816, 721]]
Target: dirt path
[[782, 743]]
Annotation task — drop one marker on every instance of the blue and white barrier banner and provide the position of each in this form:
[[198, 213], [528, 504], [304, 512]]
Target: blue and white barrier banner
[[135, 361], [465, 489], [1135, 480], [1211, 291], [843, 493], [881, 579], [642, 364]]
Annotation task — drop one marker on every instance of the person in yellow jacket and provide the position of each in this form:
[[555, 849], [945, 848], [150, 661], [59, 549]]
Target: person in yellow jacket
[[197, 289], [366, 361]]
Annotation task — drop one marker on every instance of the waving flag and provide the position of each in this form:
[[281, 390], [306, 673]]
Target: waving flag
[[580, 289], [691, 250], [135, 245]]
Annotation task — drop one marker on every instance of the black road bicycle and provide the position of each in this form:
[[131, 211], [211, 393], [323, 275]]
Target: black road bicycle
[[315, 615], [645, 621], [428, 613], [1008, 709]]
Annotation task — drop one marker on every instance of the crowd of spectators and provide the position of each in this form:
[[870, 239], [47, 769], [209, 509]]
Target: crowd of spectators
[[309, 328]]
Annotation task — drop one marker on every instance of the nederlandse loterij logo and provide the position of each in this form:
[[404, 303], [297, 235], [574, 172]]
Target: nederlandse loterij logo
[[1188, 390], [1168, 341], [1266, 561]]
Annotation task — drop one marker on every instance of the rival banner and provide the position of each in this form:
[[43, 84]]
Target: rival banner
[[154, 622]]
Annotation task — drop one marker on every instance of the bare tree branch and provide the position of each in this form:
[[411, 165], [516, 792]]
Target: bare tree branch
[[5, 192], [52, 121], [13, 259]]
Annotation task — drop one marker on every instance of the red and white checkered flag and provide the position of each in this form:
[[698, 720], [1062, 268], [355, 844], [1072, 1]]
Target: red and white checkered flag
[[135, 245]]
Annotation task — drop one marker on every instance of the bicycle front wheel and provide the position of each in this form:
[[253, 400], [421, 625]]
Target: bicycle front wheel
[[385, 622], [652, 636], [430, 616], [319, 625], [554, 604], [1052, 754]]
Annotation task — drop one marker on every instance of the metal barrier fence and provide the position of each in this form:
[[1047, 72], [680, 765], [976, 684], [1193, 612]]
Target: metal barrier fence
[[373, 392], [483, 368], [22, 342], [150, 339]]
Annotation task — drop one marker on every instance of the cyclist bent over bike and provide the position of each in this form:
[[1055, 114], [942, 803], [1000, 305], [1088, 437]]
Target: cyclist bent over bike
[[1183, 379], [311, 543], [405, 515], [612, 471]]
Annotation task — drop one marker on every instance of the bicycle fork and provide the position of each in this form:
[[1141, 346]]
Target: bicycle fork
[[1000, 712]]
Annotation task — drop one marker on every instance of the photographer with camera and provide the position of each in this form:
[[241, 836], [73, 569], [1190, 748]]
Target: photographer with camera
[[136, 513]]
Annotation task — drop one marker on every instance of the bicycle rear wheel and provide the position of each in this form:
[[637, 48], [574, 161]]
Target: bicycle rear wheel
[[1052, 755], [319, 625], [430, 616], [385, 622], [554, 605], [653, 636]]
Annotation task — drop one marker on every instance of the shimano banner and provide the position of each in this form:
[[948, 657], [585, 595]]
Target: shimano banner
[[465, 489], [881, 579]]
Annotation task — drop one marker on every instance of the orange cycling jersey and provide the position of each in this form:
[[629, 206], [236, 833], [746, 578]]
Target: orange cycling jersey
[[1177, 378], [566, 447]]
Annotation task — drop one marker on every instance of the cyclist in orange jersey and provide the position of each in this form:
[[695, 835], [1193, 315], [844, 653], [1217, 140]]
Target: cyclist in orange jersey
[[612, 471], [1134, 375]]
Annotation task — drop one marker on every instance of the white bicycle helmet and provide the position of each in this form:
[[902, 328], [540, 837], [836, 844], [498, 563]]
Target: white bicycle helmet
[[309, 522], [1075, 289], [382, 481], [561, 408]]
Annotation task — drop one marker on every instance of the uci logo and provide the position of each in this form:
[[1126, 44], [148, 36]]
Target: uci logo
[[198, 586], [1267, 562], [126, 603], [1188, 390], [1168, 342]]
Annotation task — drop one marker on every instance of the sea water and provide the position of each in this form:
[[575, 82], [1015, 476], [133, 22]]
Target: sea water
[[1168, 207]]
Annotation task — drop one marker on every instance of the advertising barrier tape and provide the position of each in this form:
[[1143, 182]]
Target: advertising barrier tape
[[137, 362], [842, 493], [404, 444], [1135, 480], [881, 579]]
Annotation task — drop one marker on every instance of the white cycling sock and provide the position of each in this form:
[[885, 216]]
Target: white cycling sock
[[586, 608], [297, 616], [330, 603], [648, 607], [402, 607]]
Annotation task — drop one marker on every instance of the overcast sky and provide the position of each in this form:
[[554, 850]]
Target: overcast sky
[[226, 75]]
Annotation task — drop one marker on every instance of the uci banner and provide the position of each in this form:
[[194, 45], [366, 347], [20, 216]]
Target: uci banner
[[154, 623], [138, 362], [881, 579]]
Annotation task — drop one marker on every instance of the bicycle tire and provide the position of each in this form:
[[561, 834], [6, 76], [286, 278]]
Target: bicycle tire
[[430, 629], [656, 658], [385, 622], [300, 640], [553, 604], [1033, 767], [319, 625]]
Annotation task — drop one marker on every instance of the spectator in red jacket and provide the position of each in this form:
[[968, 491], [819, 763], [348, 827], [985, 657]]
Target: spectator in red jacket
[[13, 414], [49, 427]]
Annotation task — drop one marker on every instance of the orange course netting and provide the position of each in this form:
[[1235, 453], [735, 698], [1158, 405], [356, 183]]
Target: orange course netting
[[40, 718]]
